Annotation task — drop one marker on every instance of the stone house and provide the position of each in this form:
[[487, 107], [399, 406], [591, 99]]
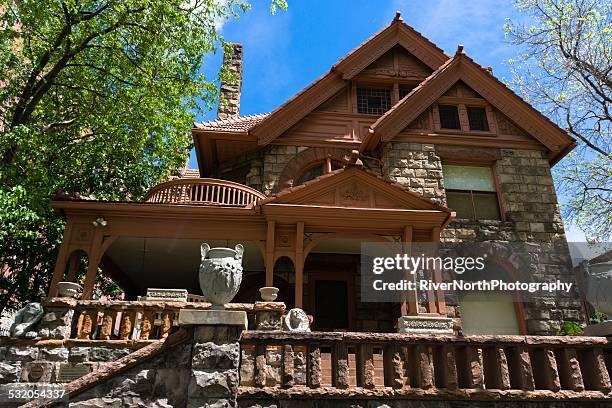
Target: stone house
[[397, 143]]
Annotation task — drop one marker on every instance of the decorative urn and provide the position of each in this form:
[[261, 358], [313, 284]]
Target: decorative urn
[[69, 289], [220, 274]]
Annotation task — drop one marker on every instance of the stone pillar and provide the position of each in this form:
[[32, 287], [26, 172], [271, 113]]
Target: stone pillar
[[229, 94], [215, 356], [56, 322]]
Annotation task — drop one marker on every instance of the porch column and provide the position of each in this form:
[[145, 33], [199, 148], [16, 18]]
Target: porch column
[[95, 255], [410, 305], [270, 254], [299, 265], [60, 264], [73, 266], [440, 302]]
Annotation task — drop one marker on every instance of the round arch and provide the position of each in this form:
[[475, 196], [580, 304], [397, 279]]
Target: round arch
[[306, 159]]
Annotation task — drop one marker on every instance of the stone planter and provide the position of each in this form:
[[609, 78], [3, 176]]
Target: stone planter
[[268, 293], [69, 289], [220, 274]]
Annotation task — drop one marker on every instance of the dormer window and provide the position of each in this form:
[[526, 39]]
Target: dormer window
[[477, 116], [449, 117], [374, 101]]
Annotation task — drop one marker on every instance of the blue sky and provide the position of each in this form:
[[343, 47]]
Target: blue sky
[[287, 51]]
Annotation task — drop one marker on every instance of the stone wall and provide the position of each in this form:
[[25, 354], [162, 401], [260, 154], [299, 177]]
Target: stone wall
[[415, 166], [47, 361], [407, 403], [532, 216]]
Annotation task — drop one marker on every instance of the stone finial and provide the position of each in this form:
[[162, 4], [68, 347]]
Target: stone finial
[[398, 16], [460, 49], [230, 90]]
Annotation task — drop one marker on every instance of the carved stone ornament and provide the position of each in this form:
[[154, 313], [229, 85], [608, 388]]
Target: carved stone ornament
[[26, 319], [296, 321], [220, 274]]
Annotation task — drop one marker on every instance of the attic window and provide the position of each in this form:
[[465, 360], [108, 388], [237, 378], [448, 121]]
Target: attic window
[[449, 117], [373, 101], [477, 117], [316, 170]]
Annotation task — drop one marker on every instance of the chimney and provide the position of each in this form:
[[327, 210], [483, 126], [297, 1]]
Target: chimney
[[229, 96]]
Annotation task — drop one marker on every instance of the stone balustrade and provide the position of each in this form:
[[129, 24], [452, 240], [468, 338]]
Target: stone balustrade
[[280, 365], [147, 320]]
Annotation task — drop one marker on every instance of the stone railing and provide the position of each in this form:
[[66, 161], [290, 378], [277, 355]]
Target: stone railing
[[337, 365], [146, 320], [204, 191]]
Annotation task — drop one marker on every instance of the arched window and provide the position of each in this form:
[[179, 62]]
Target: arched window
[[317, 169]]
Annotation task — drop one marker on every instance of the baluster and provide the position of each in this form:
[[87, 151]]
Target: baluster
[[523, 364], [166, 323], [365, 366], [106, 330], [260, 365], [146, 326], [340, 366], [595, 374], [474, 361], [570, 370], [393, 367], [425, 368], [552, 380], [127, 323], [288, 369], [89, 323], [223, 191], [314, 366], [450, 367], [497, 375]]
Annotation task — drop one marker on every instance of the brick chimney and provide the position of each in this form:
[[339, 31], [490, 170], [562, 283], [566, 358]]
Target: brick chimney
[[229, 97]]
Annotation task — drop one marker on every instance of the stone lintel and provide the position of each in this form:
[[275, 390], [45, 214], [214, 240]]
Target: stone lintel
[[425, 324], [213, 318]]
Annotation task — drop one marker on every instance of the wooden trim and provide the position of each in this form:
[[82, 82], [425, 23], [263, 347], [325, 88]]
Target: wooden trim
[[270, 246], [299, 264]]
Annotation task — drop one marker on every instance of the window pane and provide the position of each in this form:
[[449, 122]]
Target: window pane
[[487, 207], [449, 117], [373, 100], [468, 178], [477, 117], [310, 174], [461, 203]]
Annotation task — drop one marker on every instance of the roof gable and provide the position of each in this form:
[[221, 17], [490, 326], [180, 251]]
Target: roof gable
[[463, 68], [318, 92], [353, 187]]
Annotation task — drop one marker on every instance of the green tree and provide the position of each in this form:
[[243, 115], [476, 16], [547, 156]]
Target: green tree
[[97, 98], [565, 68]]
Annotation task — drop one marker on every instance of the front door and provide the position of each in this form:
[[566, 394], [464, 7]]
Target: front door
[[331, 305]]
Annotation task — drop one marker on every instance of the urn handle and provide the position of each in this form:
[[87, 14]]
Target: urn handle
[[239, 251], [204, 249]]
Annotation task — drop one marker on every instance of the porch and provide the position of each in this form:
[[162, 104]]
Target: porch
[[305, 240]]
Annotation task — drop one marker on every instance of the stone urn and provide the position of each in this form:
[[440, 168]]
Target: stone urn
[[69, 289], [220, 274], [268, 293]]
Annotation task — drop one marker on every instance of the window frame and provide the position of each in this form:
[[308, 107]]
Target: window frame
[[498, 192], [457, 108], [486, 118], [327, 165], [374, 87]]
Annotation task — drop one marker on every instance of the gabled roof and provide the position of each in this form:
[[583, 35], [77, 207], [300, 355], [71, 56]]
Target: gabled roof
[[305, 101], [357, 185], [463, 68]]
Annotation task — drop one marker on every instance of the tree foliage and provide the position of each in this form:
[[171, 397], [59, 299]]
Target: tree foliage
[[565, 69], [96, 97]]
